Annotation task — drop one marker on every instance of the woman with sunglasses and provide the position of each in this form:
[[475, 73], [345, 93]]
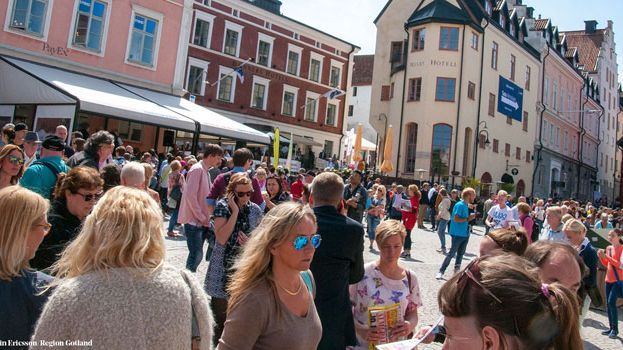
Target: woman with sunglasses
[[499, 302], [274, 193], [23, 225], [385, 282], [11, 165], [271, 304], [74, 197], [235, 216]]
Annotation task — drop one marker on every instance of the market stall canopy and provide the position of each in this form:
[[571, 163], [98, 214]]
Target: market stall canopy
[[367, 145], [300, 140]]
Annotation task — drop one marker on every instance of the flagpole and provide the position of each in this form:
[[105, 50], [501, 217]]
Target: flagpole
[[323, 95], [233, 71]]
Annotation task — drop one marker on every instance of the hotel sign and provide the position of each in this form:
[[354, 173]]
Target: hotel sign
[[510, 99]]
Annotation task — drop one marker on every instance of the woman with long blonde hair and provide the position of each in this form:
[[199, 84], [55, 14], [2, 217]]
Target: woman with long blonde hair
[[23, 224], [114, 287], [271, 304]]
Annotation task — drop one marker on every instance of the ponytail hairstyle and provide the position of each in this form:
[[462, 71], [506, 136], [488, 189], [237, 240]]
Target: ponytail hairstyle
[[505, 293], [510, 240]]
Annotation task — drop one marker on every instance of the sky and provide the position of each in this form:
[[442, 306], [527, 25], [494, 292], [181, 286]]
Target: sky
[[351, 20]]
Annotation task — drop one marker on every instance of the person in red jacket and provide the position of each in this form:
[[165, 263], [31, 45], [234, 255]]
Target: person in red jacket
[[297, 188], [410, 210]]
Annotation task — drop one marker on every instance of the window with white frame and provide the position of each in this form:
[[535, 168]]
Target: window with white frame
[[197, 73], [29, 16], [315, 67], [294, 60], [130, 131], [331, 114], [232, 39], [90, 25], [204, 22], [311, 106], [260, 93], [288, 106], [336, 74], [144, 37], [226, 84], [264, 50]]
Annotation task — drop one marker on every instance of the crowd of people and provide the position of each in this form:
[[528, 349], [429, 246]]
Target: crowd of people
[[82, 255]]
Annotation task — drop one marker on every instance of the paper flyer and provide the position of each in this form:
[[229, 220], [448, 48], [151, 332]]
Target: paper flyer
[[408, 344]]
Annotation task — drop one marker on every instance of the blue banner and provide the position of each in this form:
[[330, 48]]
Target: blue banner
[[510, 99]]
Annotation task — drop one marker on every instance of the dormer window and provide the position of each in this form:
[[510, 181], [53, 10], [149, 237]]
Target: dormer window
[[512, 29], [547, 37], [563, 52], [488, 7], [502, 20]]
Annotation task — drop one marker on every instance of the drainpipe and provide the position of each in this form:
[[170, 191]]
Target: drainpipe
[[582, 135], [345, 109], [402, 100], [543, 108], [458, 108], [601, 113], [477, 134]]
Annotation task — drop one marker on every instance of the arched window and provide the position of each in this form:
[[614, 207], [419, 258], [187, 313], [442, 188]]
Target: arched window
[[411, 148], [485, 185], [440, 153], [521, 188]]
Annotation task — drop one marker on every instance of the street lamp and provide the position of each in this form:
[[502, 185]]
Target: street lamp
[[421, 173], [484, 131]]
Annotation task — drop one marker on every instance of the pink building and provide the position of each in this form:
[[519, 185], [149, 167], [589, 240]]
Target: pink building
[[103, 64]]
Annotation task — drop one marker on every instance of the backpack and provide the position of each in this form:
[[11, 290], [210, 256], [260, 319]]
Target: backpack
[[54, 171]]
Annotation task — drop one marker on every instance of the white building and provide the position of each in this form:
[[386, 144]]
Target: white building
[[360, 96]]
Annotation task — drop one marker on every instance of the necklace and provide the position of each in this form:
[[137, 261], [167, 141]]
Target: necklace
[[289, 292]]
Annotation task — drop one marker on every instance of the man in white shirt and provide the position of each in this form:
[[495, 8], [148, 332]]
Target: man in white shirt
[[500, 215]]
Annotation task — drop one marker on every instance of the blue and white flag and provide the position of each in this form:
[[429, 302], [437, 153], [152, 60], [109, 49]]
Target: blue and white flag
[[239, 71], [333, 93]]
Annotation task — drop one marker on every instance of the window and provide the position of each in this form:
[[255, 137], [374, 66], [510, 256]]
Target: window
[[507, 150], [226, 85], [491, 109], [482, 141], [411, 140], [471, 90], [496, 145], [195, 82], [89, 25], [527, 85], [354, 91], [391, 90], [440, 157], [130, 131], [385, 92], [289, 100], [264, 50], [511, 29], [555, 96], [143, 42], [397, 55], [449, 38], [445, 89], [315, 67], [513, 60], [494, 56], [473, 43], [565, 140], [518, 153], [488, 7], [502, 20], [294, 60], [350, 110], [29, 16], [331, 114], [528, 157], [419, 38], [260, 92], [525, 121], [546, 88], [231, 42], [328, 148], [336, 76], [311, 106], [202, 35], [415, 89]]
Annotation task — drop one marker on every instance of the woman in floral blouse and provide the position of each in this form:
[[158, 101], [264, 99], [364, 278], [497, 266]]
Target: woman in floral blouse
[[385, 282]]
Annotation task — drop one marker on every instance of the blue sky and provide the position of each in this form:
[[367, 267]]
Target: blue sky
[[351, 20]]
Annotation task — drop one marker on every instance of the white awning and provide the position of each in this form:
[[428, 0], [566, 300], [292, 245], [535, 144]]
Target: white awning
[[211, 122], [367, 145], [18, 87]]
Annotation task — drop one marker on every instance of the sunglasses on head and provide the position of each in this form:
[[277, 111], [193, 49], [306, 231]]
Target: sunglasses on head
[[300, 242], [90, 197], [15, 160], [242, 194]]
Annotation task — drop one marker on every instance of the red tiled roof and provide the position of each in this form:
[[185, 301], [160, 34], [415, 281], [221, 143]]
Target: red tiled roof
[[540, 24], [571, 52], [588, 46], [362, 70]]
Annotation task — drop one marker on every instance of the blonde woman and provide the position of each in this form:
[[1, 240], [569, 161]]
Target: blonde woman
[[575, 231], [115, 288], [23, 224], [11, 165], [385, 282], [271, 303]]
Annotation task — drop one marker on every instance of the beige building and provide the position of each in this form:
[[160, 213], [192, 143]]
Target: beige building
[[439, 71]]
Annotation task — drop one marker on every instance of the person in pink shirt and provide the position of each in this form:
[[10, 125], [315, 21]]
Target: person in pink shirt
[[194, 212], [526, 220]]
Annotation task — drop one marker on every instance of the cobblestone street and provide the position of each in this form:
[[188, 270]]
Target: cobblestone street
[[425, 262]]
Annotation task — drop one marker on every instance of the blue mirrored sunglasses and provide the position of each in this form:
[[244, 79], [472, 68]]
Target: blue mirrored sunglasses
[[300, 242]]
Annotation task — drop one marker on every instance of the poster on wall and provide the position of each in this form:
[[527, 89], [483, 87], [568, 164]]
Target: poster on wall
[[510, 99]]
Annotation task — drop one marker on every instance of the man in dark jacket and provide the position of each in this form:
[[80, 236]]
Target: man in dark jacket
[[338, 262], [356, 197]]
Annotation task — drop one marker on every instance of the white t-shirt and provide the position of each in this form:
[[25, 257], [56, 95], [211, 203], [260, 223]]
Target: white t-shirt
[[501, 217]]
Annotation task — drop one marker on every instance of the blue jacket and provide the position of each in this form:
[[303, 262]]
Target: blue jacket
[[39, 178]]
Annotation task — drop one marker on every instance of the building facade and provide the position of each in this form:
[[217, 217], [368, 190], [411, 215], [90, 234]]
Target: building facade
[[287, 68], [462, 84], [359, 96], [598, 58]]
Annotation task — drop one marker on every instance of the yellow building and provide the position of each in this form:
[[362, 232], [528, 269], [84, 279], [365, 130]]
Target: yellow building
[[440, 69]]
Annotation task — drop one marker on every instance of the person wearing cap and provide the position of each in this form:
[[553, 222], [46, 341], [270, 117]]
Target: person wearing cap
[[355, 196], [31, 145], [20, 132], [42, 174]]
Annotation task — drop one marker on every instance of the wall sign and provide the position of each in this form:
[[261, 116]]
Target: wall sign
[[510, 99]]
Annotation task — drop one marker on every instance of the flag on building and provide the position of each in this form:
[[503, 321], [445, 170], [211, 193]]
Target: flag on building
[[239, 71], [333, 93]]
